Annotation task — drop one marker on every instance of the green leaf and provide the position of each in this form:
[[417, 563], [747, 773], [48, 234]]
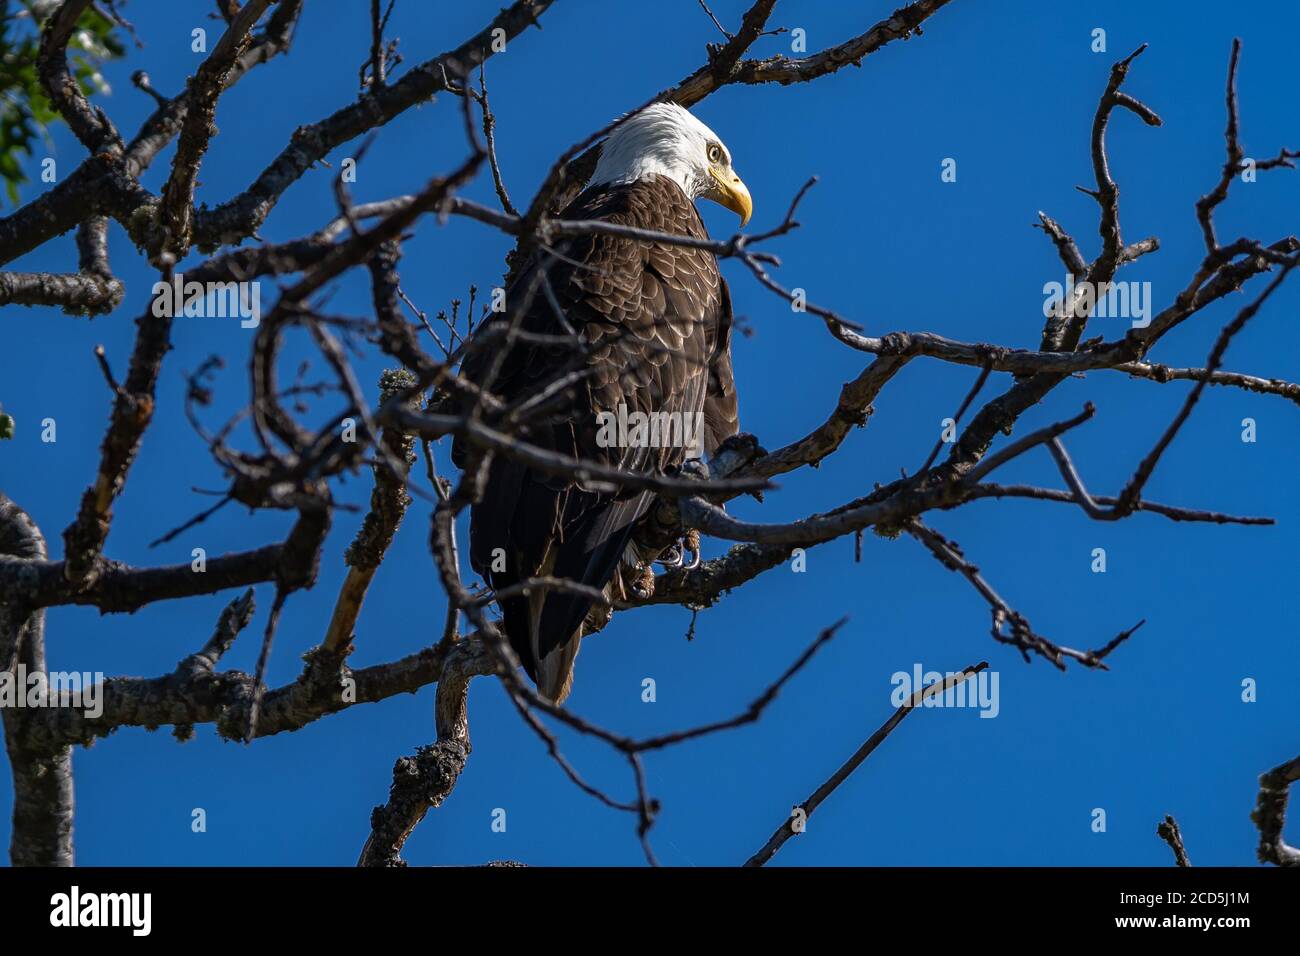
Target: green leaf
[[25, 112]]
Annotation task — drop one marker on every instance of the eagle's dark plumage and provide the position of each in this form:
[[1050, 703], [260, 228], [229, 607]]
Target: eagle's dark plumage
[[652, 321], [656, 322]]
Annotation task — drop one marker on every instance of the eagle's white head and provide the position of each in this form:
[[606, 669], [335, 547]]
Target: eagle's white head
[[666, 139]]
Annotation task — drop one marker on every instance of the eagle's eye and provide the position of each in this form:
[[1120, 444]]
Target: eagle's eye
[[715, 153]]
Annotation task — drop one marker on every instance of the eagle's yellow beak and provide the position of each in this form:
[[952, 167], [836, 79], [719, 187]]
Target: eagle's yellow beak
[[729, 191]]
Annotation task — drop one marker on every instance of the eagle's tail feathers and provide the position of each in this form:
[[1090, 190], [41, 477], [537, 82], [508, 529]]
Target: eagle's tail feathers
[[552, 666], [555, 670]]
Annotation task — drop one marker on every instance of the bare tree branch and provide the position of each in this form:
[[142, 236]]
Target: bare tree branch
[[1169, 832], [1269, 814], [788, 828]]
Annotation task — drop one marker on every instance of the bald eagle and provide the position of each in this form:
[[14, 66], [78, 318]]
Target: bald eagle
[[652, 324]]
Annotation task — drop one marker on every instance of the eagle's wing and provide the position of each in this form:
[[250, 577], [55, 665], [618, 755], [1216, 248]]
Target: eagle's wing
[[721, 411], [653, 320]]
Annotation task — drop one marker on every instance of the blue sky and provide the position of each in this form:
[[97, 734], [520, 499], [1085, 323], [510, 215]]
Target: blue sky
[[1007, 89]]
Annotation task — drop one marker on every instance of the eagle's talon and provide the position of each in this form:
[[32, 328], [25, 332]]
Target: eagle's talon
[[691, 543], [674, 556], [695, 468], [674, 559], [643, 586]]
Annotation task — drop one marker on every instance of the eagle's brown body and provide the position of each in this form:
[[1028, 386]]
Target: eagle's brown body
[[655, 323]]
